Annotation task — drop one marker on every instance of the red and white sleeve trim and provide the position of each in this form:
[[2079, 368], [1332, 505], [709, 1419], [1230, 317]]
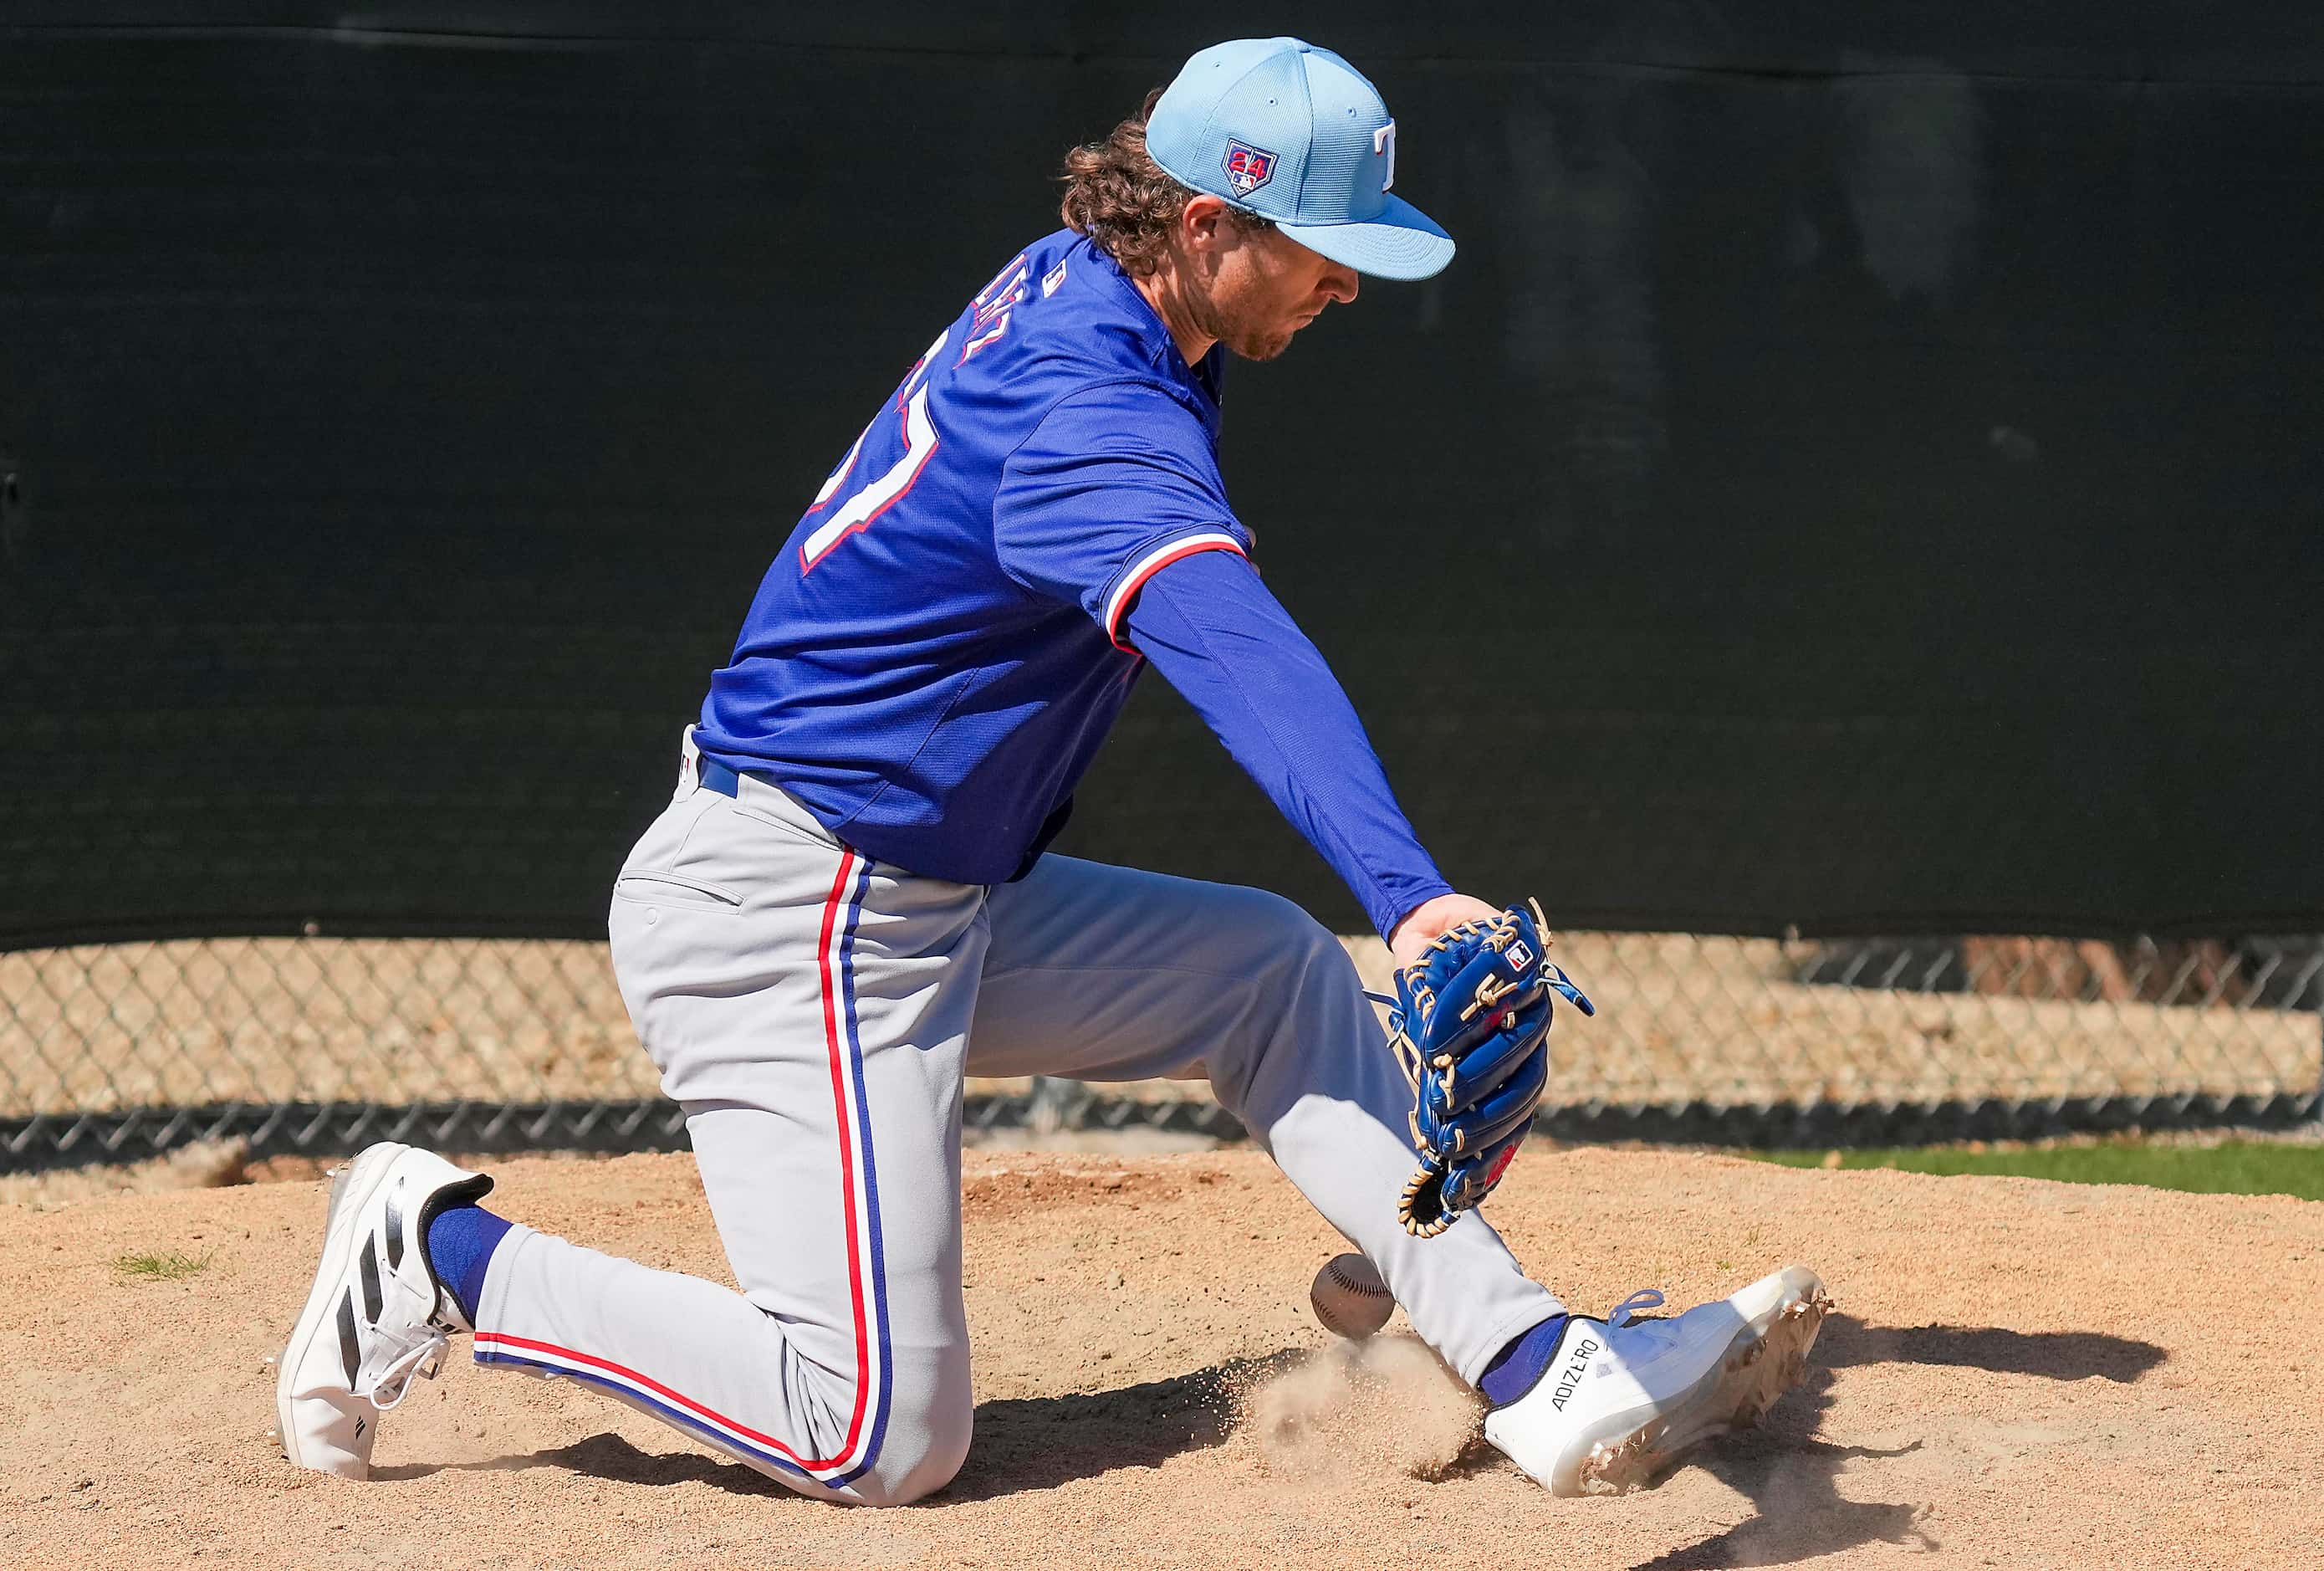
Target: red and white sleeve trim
[[1116, 604]]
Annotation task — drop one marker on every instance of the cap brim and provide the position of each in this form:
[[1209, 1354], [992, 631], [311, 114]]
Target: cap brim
[[1402, 242]]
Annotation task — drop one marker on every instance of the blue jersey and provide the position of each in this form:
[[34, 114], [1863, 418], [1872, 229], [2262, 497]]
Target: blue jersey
[[933, 662], [954, 626]]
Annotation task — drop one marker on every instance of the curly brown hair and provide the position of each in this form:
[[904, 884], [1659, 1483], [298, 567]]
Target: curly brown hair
[[1118, 196]]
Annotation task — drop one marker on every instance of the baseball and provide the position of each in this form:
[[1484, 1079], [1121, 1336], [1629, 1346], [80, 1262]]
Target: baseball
[[1350, 1299]]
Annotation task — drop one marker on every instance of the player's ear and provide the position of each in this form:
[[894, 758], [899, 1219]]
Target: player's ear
[[1201, 223]]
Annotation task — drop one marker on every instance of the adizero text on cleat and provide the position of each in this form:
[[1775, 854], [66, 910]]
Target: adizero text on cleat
[[376, 1315], [1623, 1400]]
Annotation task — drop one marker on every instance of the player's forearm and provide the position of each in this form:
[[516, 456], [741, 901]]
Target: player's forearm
[[1210, 627]]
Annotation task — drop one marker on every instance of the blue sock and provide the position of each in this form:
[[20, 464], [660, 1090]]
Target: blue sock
[[1518, 1367], [460, 1243]]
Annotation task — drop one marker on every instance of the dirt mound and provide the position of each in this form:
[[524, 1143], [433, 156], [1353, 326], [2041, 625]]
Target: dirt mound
[[2020, 1374]]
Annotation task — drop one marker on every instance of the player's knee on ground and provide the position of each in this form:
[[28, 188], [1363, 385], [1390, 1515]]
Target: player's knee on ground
[[925, 1442]]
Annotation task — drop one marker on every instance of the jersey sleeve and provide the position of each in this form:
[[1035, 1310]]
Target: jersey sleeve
[[1115, 484], [1231, 650]]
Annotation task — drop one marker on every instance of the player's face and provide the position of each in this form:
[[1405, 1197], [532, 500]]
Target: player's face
[[1261, 286]]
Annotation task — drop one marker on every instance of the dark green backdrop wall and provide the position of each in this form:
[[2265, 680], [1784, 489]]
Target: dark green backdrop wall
[[1860, 472]]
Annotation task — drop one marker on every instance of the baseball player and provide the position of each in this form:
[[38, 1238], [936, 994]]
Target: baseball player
[[846, 906]]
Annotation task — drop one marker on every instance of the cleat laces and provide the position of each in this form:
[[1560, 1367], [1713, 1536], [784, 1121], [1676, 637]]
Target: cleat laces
[[394, 1383], [1628, 1309]]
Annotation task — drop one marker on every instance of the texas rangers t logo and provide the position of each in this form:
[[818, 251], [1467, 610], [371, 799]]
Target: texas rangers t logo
[[1247, 167]]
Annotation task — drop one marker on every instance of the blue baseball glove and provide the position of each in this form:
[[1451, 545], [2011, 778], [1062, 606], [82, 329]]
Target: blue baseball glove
[[1470, 1023]]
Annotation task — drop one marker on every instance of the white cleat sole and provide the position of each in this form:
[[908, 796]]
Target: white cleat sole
[[1768, 1357], [350, 1186]]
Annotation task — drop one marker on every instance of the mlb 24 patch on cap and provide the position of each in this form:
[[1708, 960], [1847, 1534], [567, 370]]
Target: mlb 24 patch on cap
[[1247, 167]]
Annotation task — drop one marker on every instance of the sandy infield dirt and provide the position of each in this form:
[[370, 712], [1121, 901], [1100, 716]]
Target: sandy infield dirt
[[2018, 1375]]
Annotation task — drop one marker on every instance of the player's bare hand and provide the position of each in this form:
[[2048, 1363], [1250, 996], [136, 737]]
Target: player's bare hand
[[1424, 922]]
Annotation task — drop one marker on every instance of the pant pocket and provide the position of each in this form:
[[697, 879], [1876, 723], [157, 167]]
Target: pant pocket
[[659, 886]]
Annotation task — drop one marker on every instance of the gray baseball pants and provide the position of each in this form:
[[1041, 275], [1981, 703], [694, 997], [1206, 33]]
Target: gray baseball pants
[[814, 1013]]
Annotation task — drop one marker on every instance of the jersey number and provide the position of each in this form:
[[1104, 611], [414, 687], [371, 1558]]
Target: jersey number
[[994, 307], [884, 492]]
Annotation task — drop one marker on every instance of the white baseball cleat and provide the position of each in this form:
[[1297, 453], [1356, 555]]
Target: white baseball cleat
[[1624, 1399], [377, 1315]]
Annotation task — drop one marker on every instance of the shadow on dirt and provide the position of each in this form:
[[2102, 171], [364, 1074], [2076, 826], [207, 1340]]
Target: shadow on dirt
[[1025, 1443], [1791, 1480], [1848, 1342], [610, 1458], [1791, 1477], [1042, 1442]]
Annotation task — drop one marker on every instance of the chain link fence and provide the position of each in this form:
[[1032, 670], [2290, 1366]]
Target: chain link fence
[[115, 1053]]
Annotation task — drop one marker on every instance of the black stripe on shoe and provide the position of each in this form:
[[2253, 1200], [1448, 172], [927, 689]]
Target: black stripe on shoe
[[350, 1352], [369, 1265], [395, 1226]]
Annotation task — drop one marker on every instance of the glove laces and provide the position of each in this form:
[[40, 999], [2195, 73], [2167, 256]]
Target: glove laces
[[1495, 932]]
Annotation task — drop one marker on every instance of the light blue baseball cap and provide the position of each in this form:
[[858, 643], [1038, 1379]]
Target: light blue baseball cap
[[1278, 127]]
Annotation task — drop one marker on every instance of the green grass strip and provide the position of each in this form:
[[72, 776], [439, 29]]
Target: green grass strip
[[2230, 1167]]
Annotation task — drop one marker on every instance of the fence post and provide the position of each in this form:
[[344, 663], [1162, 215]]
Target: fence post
[[1046, 1113]]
